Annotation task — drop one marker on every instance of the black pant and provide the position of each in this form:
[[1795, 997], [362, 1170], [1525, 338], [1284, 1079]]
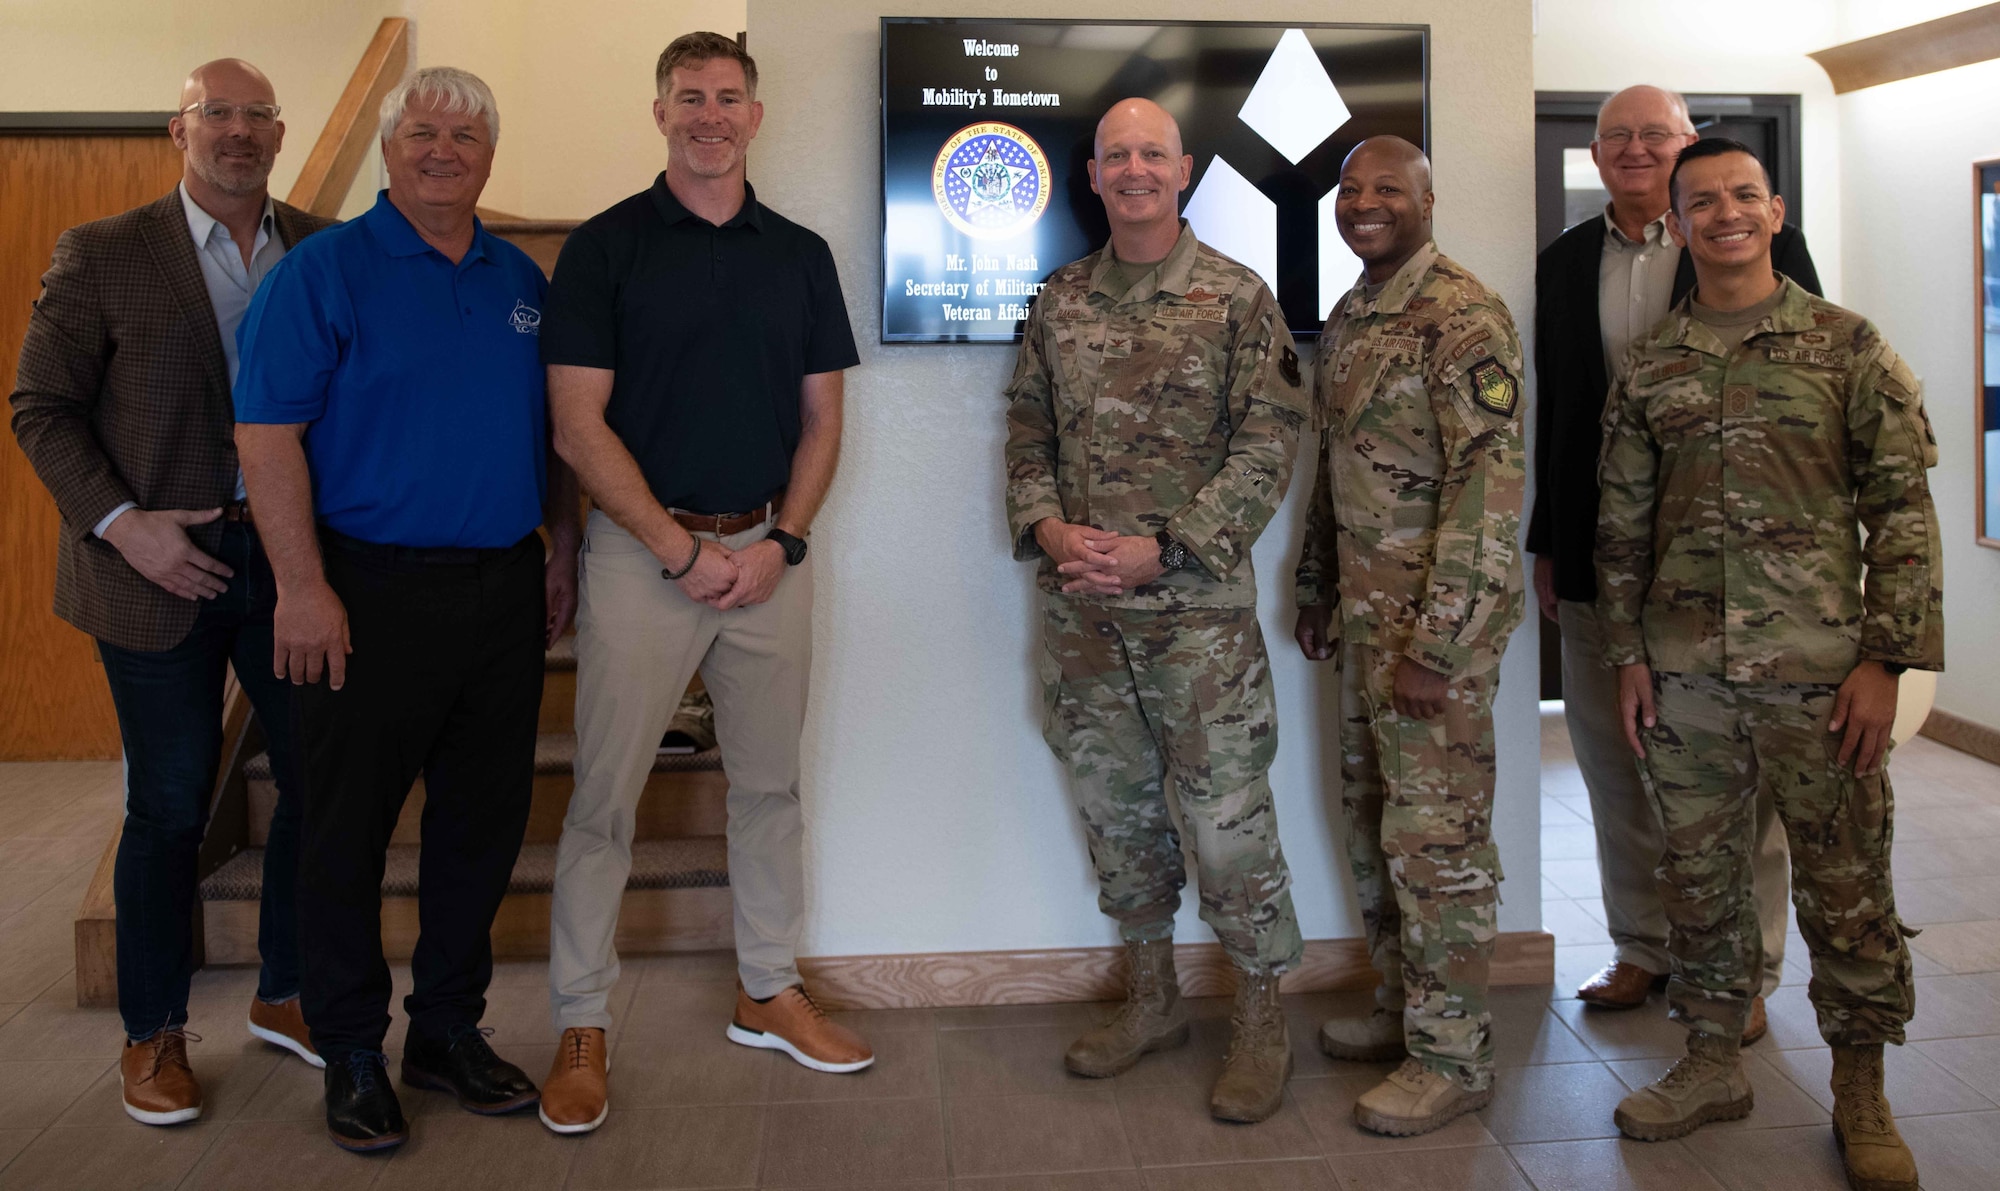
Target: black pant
[[170, 718], [445, 680]]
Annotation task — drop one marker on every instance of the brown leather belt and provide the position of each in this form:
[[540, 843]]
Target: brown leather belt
[[724, 524], [238, 510]]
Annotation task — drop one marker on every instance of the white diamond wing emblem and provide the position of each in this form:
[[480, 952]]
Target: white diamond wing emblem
[[1339, 268], [1294, 105], [1233, 217]]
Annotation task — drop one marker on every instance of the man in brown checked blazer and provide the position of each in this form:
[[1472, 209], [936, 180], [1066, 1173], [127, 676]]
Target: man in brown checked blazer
[[123, 407]]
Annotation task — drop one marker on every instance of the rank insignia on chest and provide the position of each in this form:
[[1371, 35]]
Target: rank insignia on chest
[[1493, 389]]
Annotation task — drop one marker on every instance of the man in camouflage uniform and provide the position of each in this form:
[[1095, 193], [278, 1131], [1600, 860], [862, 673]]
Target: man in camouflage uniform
[[1412, 531], [1756, 427], [1151, 424]]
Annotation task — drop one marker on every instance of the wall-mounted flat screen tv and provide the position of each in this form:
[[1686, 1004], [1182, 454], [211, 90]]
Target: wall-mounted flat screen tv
[[987, 125]]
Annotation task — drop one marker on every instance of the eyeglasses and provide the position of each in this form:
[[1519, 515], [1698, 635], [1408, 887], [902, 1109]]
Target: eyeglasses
[[218, 113], [1652, 138]]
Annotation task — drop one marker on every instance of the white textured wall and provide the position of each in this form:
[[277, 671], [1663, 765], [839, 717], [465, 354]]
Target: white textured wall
[[1907, 153], [938, 820]]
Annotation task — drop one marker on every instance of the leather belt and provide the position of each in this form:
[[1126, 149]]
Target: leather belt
[[238, 510], [724, 524]]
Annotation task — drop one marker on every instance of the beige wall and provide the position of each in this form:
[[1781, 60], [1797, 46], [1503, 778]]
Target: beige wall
[[929, 790], [574, 80]]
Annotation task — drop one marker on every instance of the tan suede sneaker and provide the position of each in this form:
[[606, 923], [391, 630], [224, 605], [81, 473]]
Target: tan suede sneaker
[[1152, 1018], [160, 1087], [1415, 1099], [284, 1024], [1373, 1039], [576, 1095], [1871, 1147], [791, 1022], [1706, 1084], [1259, 1061]]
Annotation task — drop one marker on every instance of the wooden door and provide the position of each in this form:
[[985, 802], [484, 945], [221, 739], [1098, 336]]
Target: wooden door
[[53, 701]]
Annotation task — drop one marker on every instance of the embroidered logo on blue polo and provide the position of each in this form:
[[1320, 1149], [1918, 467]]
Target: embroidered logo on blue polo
[[991, 180], [525, 319]]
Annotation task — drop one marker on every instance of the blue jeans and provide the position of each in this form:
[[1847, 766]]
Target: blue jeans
[[170, 716]]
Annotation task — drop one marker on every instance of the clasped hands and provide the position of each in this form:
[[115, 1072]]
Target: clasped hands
[[1098, 561], [1417, 691], [723, 578]]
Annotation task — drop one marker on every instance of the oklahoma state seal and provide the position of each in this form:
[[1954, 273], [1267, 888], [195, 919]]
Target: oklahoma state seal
[[991, 180]]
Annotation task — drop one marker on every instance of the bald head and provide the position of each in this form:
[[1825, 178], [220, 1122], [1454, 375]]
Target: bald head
[[1394, 155], [229, 79], [1383, 205], [227, 132], [1142, 118], [1637, 107], [1139, 168]]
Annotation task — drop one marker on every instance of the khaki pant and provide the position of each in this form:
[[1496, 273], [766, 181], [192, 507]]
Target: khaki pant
[[638, 642], [1629, 844]]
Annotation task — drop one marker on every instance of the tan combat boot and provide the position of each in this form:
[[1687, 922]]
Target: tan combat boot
[[1872, 1150], [1259, 1061], [1415, 1099], [1373, 1039], [1152, 1017], [1708, 1083]]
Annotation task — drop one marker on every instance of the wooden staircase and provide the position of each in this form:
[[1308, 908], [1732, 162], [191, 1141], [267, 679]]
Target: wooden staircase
[[676, 899]]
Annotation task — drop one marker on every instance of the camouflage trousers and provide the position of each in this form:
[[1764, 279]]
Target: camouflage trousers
[[1166, 723], [1417, 805], [1714, 745]]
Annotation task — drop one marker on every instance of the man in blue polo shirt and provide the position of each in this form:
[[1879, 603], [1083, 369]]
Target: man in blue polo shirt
[[393, 428]]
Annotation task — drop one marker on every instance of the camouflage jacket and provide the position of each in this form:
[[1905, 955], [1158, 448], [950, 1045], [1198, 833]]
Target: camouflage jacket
[[1174, 406], [1735, 479], [1417, 506]]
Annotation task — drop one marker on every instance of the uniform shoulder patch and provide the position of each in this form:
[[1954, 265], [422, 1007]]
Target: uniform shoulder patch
[[1493, 390], [1288, 363]]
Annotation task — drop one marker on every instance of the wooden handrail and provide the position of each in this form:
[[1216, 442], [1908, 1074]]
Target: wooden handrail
[[1959, 39], [336, 158]]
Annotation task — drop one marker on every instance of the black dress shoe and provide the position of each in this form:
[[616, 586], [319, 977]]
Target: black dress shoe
[[466, 1067], [362, 1113]]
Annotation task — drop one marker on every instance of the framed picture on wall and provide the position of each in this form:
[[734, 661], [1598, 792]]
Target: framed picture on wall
[[1986, 345]]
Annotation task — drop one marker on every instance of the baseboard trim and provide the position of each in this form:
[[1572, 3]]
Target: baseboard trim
[[1962, 734], [950, 979]]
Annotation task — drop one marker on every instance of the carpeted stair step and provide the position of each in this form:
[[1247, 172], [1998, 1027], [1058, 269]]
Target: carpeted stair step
[[698, 863], [686, 795]]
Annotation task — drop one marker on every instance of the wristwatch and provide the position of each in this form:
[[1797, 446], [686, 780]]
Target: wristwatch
[[794, 548], [1894, 669], [1173, 555]]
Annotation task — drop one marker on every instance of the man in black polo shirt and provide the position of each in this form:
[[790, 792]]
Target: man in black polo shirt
[[695, 341]]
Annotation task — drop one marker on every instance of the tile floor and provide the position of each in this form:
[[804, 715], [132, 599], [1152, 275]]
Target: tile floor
[[977, 1098]]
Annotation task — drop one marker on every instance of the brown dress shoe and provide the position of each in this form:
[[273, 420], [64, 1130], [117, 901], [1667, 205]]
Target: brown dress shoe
[[160, 1088], [575, 1096], [284, 1024], [1619, 986], [791, 1022], [1759, 1023]]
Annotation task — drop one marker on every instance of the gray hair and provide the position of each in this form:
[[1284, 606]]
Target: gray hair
[[460, 91], [1674, 98]]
